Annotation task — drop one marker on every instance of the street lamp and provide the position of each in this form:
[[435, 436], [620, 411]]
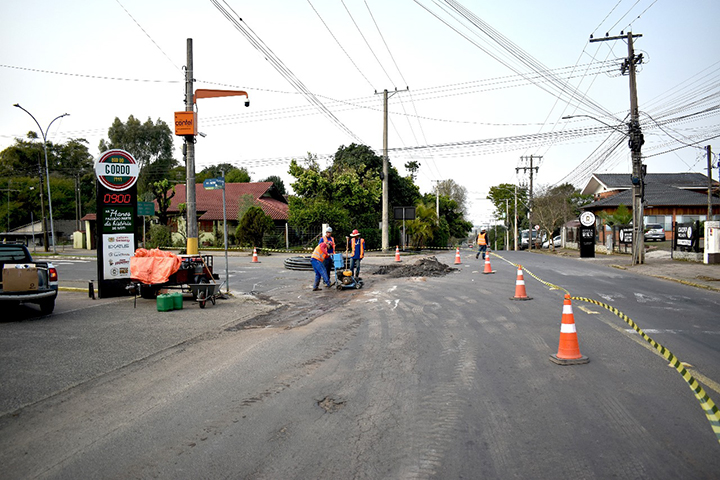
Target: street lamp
[[635, 142], [47, 170]]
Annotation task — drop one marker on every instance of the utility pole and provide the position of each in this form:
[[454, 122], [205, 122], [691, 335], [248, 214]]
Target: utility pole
[[709, 167], [191, 221], [635, 142], [46, 244], [507, 224], [530, 199], [384, 177], [515, 232]]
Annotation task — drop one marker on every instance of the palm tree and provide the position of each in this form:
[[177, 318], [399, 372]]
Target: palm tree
[[422, 228]]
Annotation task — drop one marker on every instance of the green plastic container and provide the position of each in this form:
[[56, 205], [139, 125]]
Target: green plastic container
[[177, 300], [164, 303]]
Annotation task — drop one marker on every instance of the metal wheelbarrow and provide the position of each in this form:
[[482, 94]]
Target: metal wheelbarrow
[[202, 292]]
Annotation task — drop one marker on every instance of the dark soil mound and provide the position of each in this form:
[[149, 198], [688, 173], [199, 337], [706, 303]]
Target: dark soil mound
[[424, 267]]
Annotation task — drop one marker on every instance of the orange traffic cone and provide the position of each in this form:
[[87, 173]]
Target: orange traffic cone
[[457, 257], [255, 257], [520, 293], [488, 268], [568, 349], [397, 253]]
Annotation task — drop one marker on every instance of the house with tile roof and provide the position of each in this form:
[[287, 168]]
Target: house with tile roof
[[209, 206], [669, 197]]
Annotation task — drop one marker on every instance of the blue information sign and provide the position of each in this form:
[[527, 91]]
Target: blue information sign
[[214, 183]]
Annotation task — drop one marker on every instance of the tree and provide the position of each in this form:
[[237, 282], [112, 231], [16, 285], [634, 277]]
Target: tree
[[621, 216], [423, 228], [151, 144], [554, 206], [233, 174], [253, 225], [453, 225], [346, 195], [455, 192], [413, 168], [277, 181], [163, 193], [503, 197]]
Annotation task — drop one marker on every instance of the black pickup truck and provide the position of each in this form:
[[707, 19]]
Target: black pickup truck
[[24, 281]]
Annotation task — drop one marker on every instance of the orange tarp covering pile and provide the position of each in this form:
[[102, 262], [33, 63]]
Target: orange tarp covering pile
[[153, 266]]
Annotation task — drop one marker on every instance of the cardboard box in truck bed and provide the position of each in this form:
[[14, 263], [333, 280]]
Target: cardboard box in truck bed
[[19, 278]]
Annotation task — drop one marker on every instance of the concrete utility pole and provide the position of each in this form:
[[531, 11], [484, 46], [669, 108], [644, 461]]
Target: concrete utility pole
[[385, 188], [191, 220], [530, 197], [635, 142], [708, 149]]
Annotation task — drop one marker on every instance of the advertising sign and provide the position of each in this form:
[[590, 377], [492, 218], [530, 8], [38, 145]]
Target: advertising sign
[[626, 234], [684, 235], [117, 252], [117, 170], [116, 191]]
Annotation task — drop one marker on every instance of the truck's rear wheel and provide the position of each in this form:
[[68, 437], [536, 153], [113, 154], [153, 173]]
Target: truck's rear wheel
[[47, 306]]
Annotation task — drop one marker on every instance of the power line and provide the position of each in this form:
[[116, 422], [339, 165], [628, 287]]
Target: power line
[[280, 67]]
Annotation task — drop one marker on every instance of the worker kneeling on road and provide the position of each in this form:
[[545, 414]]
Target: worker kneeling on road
[[482, 243], [318, 257]]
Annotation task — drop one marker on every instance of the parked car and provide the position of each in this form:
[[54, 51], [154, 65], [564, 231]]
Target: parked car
[[654, 231], [524, 240], [26, 281], [557, 242]]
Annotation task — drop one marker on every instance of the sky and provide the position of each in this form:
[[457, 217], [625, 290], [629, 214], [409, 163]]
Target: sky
[[476, 88]]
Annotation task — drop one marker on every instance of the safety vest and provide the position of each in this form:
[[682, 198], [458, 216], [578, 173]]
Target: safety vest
[[330, 242], [362, 246], [318, 254], [481, 239]]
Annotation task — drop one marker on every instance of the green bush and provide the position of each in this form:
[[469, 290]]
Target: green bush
[[159, 236]]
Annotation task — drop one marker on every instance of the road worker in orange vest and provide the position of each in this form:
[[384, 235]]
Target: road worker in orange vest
[[482, 243], [317, 260], [329, 241], [357, 248]]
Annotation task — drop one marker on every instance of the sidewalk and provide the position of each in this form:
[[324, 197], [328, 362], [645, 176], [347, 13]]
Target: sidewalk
[[657, 264]]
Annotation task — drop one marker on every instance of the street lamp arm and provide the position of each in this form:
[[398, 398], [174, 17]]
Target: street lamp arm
[[43, 133]]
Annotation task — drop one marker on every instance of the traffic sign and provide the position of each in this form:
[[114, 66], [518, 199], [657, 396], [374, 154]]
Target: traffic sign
[[146, 209], [214, 183]]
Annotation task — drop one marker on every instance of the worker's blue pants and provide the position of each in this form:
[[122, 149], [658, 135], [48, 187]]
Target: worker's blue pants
[[320, 271]]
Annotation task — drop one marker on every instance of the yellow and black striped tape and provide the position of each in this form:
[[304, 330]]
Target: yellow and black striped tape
[[706, 403]]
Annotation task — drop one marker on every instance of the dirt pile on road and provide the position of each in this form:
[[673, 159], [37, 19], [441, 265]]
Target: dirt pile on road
[[423, 267]]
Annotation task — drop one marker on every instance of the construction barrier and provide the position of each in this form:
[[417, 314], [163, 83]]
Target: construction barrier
[[520, 293], [458, 260]]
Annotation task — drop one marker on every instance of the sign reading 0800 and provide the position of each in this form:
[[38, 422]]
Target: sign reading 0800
[[116, 170]]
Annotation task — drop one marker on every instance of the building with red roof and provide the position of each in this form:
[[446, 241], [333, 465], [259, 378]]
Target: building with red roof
[[209, 205]]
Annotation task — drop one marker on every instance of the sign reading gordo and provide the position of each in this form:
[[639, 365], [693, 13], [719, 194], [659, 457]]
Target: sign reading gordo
[[116, 170]]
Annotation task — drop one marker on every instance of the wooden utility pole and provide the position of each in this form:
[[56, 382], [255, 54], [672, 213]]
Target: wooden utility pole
[[635, 141], [191, 226], [530, 197], [385, 188]]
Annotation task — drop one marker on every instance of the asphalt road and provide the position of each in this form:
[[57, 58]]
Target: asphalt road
[[422, 377]]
